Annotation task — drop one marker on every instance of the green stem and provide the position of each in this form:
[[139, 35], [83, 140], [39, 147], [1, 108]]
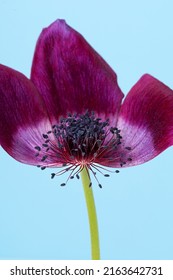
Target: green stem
[[92, 216]]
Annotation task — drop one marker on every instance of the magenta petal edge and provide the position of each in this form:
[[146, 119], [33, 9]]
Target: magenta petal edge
[[71, 111]]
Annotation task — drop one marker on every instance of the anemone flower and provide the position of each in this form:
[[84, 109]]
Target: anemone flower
[[70, 114]]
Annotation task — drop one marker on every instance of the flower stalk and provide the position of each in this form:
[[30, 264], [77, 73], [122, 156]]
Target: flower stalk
[[92, 216]]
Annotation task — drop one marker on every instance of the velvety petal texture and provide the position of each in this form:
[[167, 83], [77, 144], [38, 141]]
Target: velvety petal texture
[[71, 76], [146, 120], [23, 117]]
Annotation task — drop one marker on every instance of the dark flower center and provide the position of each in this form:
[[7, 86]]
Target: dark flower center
[[84, 137], [81, 141]]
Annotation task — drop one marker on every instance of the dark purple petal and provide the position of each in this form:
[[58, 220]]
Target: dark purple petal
[[146, 120], [23, 118], [71, 76]]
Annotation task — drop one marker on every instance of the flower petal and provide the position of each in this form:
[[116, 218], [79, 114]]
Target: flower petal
[[146, 120], [71, 76], [23, 118]]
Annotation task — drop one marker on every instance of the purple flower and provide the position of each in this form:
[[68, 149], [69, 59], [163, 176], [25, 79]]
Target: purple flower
[[70, 112]]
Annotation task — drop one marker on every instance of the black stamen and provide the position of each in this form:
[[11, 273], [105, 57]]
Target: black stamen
[[44, 158], [43, 167], [45, 145], [45, 136], [52, 175], [80, 141], [38, 148]]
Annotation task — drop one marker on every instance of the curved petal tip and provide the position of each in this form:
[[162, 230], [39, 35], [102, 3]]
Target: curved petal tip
[[146, 119], [71, 76]]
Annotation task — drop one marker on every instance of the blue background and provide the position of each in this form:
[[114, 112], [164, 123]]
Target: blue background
[[38, 218]]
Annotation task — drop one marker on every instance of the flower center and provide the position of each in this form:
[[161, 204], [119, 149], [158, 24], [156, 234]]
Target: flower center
[[80, 141], [83, 138]]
